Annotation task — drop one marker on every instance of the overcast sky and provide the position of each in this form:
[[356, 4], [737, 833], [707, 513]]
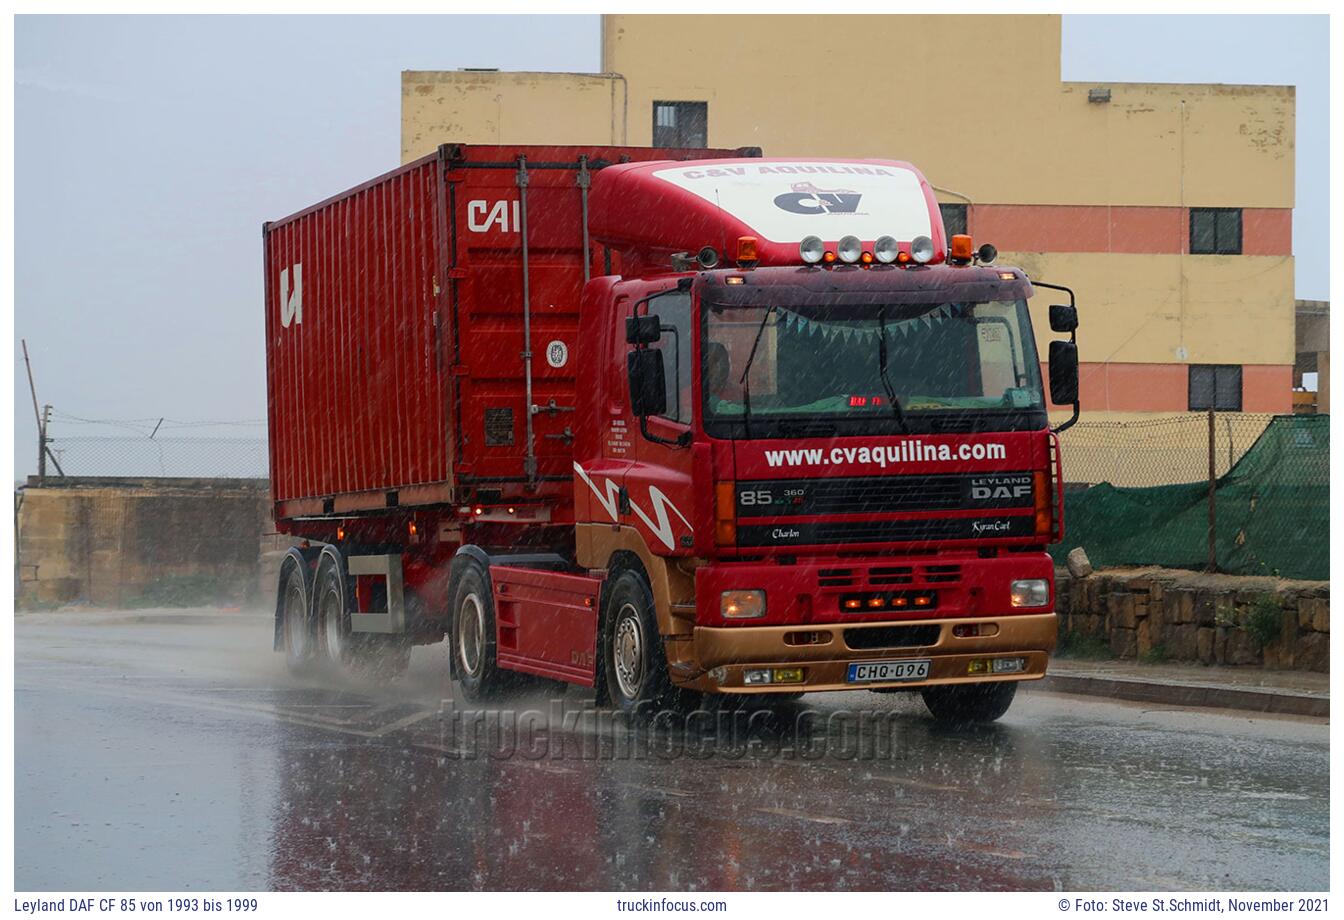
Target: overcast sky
[[148, 151]]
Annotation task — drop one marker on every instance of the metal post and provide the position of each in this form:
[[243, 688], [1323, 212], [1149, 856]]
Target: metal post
[[530, 463], [585, 180], [1213, 482], [42, 443]]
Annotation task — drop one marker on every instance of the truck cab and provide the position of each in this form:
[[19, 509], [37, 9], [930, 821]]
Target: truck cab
[[828, 463]]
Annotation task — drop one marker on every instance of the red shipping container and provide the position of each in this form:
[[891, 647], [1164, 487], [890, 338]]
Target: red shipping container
[[395, 321]]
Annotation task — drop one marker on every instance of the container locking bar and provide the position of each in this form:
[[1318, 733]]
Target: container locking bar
[[530, 463]]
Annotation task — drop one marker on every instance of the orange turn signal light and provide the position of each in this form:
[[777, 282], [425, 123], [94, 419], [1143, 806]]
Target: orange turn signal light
[[1041, 491], [725, 514]]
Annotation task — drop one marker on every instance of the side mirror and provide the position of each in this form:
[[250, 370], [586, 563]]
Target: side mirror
[[648, 386], [642, 330], [1063, 318], [1063, 371]]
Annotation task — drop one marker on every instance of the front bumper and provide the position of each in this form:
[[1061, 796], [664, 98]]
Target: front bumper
[[824, 652]]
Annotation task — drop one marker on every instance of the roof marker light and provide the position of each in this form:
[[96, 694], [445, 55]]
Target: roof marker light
[[849, 249], [961, 249], [746, 252], [885, 249], [921, 249], [811, 249]]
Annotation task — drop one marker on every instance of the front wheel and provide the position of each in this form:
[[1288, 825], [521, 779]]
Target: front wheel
[[632, 650], [963, 704]]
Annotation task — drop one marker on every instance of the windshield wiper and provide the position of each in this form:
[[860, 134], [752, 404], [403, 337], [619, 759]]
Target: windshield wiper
[[896, 409], [746, 388]]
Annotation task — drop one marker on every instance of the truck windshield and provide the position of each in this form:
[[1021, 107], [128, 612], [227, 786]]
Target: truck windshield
[[824, 367]]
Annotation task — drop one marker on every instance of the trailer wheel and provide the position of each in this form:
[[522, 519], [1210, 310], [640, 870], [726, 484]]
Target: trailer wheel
[[296, 626], [632, 649], [472, 642], [368, 657], [963, 704]]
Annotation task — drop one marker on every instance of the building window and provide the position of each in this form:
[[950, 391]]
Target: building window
[[1215, 386], [954, 219], [681, 124], [1215, 231]]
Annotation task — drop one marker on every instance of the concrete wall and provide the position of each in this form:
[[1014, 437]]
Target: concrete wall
[[1093, 195], [1158, 614], [115, 543]]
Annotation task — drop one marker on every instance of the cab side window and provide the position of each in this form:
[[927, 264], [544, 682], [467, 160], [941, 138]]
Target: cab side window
[[674, 315]]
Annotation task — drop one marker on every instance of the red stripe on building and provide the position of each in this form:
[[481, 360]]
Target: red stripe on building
[[1101, 228], [1117, 387]]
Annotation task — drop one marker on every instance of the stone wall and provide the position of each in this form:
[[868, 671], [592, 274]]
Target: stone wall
[[1164, 614], [139, 542]]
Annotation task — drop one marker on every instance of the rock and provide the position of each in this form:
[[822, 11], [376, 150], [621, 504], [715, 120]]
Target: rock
[[1206, 608], [1204, 644], [1241, 648], [1313, 652], [1120, 609], [1286, 646], [1314, 613], [1124, 643], [1220, 645], [1077, 561], [1181, 644], [1143, 637]]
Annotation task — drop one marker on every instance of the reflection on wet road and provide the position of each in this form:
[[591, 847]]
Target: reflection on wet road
[[173, 751]]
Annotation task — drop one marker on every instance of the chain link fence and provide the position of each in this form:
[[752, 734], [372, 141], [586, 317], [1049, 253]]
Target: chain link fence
[[1238, 493], [1158, 451], [173, 457]]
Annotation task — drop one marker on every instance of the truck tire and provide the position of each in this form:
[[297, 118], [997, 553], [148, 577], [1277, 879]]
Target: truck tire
[[633, 657], [367, 657], [963, 704], [471, 641], [296, 627]]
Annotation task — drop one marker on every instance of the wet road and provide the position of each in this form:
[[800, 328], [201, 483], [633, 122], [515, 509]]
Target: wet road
[[173, 752]]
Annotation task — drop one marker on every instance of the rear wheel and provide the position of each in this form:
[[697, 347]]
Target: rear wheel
[[633, 656], [472, 640], [296, 626], [366, 656], [963, 704]]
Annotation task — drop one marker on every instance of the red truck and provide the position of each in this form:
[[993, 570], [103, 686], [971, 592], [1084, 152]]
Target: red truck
[[662, 423]]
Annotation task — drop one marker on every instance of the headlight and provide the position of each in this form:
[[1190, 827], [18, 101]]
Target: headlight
[[921, 249], [742, 605], [1030, 592], [811, 249], [885, 249], [849, 249]]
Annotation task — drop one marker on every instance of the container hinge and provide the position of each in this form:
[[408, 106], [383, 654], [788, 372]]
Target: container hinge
[[567, 436], [551, 408]]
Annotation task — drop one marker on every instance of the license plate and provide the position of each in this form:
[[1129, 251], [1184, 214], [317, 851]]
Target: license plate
[[910, 669]]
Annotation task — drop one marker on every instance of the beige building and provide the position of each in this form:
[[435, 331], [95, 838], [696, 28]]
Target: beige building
[[1168, 208]]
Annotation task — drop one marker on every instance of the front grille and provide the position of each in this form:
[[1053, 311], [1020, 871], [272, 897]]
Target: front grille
[[835, 578], [883, 494], [892, 637]]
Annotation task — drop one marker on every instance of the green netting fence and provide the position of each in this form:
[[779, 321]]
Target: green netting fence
[[1271, 495]]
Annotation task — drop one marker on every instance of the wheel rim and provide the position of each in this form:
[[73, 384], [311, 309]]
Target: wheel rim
[[332, 625], [470, 634], [627, 647], [296, 626]]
